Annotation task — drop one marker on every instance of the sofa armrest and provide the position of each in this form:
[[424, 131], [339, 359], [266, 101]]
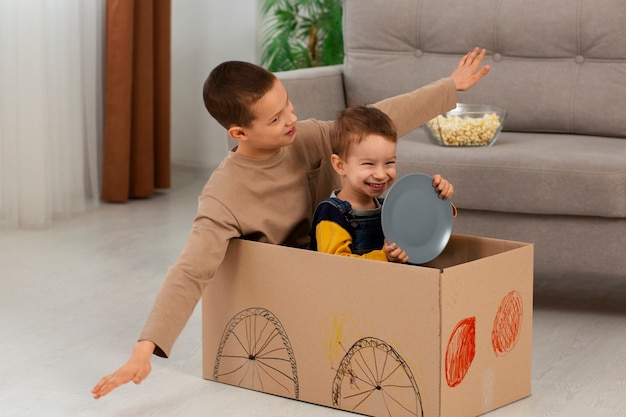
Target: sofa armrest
[[315, 92]]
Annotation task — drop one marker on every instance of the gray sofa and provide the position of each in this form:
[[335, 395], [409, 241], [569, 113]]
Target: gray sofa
[[557, 174]]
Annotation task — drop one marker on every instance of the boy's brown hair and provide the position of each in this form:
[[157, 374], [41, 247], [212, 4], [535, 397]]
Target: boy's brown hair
[[355, 123], [231, 90]]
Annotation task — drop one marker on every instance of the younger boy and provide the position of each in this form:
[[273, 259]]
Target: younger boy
[[363, 141], [265, 189]]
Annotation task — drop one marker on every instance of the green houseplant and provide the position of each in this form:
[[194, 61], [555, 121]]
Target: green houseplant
[[301, 34]]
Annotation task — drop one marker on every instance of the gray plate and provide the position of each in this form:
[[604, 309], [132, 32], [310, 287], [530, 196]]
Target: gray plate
[[416, 219]]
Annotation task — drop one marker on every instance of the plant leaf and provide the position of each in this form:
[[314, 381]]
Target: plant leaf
[[301, 33]]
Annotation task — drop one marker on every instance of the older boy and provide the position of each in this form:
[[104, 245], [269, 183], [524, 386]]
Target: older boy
[[265, 189]]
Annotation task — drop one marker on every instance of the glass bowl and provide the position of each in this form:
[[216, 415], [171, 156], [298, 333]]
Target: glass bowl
[[467, 125]]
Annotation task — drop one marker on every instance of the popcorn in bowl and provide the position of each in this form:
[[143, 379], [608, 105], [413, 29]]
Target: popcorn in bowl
[[467, 125]]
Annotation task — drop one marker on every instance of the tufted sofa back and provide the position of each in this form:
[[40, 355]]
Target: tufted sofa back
[[557, 65]]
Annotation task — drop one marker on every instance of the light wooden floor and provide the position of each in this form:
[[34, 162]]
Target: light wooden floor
[[74, 297]]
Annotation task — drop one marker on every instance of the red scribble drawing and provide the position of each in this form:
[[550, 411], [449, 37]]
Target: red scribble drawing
[[461, 351], [507, 323]]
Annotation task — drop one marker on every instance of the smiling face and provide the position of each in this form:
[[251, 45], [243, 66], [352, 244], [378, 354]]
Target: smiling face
[[368, 170], [272, 128]]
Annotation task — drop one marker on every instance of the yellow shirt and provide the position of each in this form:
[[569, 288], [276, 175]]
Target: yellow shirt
[[332, 238]]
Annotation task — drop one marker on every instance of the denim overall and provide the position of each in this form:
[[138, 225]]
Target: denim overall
[[366, 231]]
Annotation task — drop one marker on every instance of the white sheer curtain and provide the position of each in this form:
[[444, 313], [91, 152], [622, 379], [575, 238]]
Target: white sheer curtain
[[50, 109]]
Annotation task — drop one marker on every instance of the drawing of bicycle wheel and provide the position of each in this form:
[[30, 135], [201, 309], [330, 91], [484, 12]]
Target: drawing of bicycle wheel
[[373, 379], [255, 353]]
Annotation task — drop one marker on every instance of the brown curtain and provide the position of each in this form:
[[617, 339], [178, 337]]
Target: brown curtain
[[136, 147]]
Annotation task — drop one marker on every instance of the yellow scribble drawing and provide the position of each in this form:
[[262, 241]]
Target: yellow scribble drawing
[[336, 330]]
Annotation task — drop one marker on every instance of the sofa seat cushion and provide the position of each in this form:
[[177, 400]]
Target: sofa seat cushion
[[537, 173]]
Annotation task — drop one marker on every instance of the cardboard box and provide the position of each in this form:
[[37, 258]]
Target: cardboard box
[[452, 338]]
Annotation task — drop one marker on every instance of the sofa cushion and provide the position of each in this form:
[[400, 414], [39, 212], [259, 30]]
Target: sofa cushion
[[527, 173], [552, 71]]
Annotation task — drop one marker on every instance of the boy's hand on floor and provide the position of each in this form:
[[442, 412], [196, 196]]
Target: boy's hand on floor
[[136, 369]]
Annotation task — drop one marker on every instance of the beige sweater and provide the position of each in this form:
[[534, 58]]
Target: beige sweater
[[270, 200]]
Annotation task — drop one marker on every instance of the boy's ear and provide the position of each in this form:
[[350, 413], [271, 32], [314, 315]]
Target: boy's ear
[[338, 164], [238, 133]]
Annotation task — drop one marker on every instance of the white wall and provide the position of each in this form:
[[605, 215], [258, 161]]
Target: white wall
[[205, 33]]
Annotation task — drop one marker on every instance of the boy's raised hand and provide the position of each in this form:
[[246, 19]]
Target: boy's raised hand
[[394, 253], [136, 369], [468, 72]]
